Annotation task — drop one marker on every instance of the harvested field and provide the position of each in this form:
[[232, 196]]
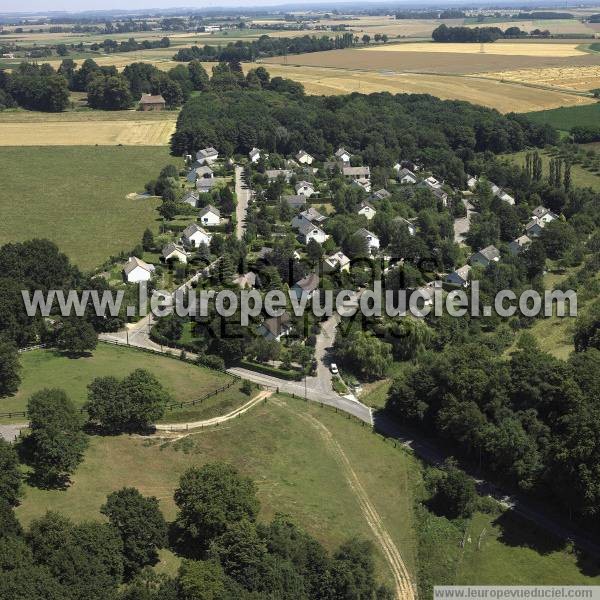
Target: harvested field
[[74, 132], [560, 26], [505, 97], [499, 47], [408, 60], [573, 78]]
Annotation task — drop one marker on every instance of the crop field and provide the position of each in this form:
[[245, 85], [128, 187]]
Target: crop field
[[566, 118], [573, 78], [504, 48], [77, 196], [505, 97], [557, 26], [282, 445]]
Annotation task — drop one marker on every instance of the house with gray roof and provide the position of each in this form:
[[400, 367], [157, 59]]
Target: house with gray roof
[[485, 256]]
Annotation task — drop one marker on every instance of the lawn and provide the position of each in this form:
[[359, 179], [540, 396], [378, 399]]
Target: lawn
[[294, 467], [76, 196], [45, 368], [581, 177], [567, 117]]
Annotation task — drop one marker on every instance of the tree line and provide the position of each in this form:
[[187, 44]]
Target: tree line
[[443, 33], [264, 46]]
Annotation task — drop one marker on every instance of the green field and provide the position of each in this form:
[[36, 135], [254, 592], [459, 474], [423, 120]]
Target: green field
[[185, 382], [580, 177], [567, 117], [77, 197], [289, 458]]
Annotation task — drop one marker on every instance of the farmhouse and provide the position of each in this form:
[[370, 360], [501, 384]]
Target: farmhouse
[[304, 188], [254, 155], [194, 235], [485, 256], [336, 261], [304, 158], [370, 238], [519, 245], [150, 102], [276, 327], [308, 231], [136, 270], [366, 209], [210, 216], [206, 156], [406, 176], [306, 286], [174, 252], [459, 277]]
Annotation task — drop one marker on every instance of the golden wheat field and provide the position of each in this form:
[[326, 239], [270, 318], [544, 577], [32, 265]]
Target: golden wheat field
[[561, 26], [502, 48], [88, 132], [572, 78], [505, 97]]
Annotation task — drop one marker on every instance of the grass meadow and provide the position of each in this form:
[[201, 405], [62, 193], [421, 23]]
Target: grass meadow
[[567, 117], [76, 196]]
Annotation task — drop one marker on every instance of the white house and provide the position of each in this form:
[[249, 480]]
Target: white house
[[254, 155], [304, 188], [136, 270], [174, 252], [210, 216], [435, 189], [357, 172], [308, 231], [336, 261], [206, 156], [519, 245], [343, 155], [370, 238], [194, 235], [363, 184], [275, 328], [412, 230], [406, 176], [471, 183], [541, 213], [191, 198], [306, 286], [304, 158], [311, 214], [485, 256], [367, 210], [460, 276], [203, 172]]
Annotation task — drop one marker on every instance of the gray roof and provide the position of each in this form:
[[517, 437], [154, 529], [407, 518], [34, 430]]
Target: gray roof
[[365, 233], [170, 248], [210, 151], [489, 252], [191, 198], [297, 200], [341, 152], [192, 229], [381, 194], [404, 172], [357, 171], [309, 283], [134, 262], [312, 214], [275, 173], [210, 209], [302, 184], [276, 325], [366, 204], [152, 99], [306, 227]]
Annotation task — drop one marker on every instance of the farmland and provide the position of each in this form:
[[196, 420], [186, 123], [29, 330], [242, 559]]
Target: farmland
[[77, 197], [566, 118]]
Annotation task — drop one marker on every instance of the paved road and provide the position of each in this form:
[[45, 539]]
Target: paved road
[[243, 198], [462, 225], [322, 380]]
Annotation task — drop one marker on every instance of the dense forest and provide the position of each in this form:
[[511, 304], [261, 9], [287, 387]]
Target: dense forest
[[263, 47]]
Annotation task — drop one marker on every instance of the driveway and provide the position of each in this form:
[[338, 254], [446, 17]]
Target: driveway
[[463, 225], [243, 198]]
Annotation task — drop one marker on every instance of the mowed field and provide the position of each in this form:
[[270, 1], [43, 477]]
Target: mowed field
[[76, 196]]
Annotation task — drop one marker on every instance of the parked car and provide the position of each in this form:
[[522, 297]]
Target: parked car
[[333, 368]]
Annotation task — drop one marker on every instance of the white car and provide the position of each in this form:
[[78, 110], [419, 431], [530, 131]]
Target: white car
[[333, 368]]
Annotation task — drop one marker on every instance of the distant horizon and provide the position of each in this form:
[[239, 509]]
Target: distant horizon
[[40, 8]]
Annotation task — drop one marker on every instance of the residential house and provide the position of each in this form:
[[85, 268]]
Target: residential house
[[343, 155], [519, 245], [136, 270], [191, 198], [410, 165], [357, 173], [432, 182], [544, 214], [381, 194], [485, 256], [254, 155], [210, 216], [534, 228], [363, 184], [305, 188], [472, 183], [370, 238], [152, 102], [295, 201], [366, 209], [428, 290], [332, 166], [304, 158], [336, 261], [204, 185], [459, 277], [246, 280], [206, 156], [308, 231], [500, 193], [406, 176], [194, 235], [174, 252], [306, 286], [203, 172], [275, 328], [412, 230], [273, 174], [311, 214], [435, 189]]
